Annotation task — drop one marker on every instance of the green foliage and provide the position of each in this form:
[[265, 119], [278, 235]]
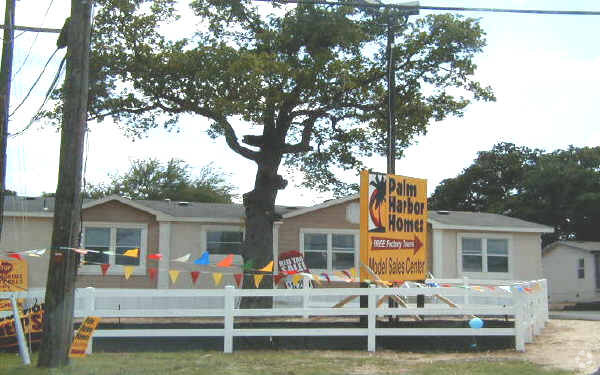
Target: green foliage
[[559, 189], [310, 78], [151, 180]]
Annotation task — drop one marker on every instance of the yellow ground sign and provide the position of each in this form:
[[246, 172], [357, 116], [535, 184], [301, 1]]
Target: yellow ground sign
[[393, 226], [83, 336], [13, 275]]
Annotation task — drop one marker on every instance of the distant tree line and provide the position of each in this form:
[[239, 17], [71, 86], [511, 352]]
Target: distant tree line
[[559, 188]]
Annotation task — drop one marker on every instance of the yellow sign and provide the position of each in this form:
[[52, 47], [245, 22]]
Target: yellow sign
[[82, 338], [393, 226], [31, 321], [13, 275], [5, 304]]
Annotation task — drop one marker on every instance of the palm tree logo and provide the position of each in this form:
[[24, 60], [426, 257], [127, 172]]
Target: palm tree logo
[[376, 201]]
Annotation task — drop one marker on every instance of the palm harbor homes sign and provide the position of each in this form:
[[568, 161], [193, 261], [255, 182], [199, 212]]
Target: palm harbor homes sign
[[393, 226]]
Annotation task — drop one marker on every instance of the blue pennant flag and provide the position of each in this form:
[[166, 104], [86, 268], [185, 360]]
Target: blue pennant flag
[[203, 259]]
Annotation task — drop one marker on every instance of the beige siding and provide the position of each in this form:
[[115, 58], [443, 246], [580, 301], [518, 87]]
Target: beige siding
[[560, 268], [333, 217], [449, 265], [27, 233]]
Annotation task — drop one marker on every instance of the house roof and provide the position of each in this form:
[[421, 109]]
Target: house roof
[[483, 221], [164, 210], [591, 246]]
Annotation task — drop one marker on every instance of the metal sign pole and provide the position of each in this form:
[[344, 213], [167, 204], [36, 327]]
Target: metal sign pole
[[19, 329]]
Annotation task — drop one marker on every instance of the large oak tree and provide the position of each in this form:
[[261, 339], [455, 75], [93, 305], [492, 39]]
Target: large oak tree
[[300, 85]]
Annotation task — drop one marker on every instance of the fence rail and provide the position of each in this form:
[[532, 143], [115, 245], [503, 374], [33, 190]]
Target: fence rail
[[525, 302]]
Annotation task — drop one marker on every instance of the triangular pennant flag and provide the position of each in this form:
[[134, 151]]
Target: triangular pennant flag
[[155, 256], [194, 275], [128, 271], [268, 267], [226, 262], [182, 259], [248, 265], [317, 279], [353, 272], [290, 272], [217, 277], [104, 268], [505, 288], [278, 278], [80, 251], [133, 253], [204, 259], [257, 280], [39, 252], [173, 274], [152, 272], [326, 276], [296, 279], [15, 256], [107, 252], [347, 274], [238, 279]]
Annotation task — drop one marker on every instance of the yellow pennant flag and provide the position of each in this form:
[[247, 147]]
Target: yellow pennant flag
[[134, 253], [257, 280], [173, 274], [296, 279], [128, 271], [316, 278], [268, 267], [353, 272], [217, 277]]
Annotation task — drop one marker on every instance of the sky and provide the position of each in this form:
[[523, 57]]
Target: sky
[[544, 69]]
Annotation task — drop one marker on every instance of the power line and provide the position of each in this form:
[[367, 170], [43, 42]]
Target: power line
[[424, 7]]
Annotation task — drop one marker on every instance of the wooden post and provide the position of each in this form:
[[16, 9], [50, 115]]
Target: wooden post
[[62, 269], [5, 79]]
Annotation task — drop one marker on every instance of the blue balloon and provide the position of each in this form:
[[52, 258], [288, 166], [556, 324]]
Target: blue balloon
[[476, 323]]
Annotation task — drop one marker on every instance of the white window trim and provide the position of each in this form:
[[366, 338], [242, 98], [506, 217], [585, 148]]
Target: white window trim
[[237, 259], [580, 268], [485, 274], [116, 269], [329, 233]]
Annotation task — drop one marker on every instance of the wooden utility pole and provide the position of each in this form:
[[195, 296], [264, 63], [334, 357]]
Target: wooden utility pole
[[60, 286], [5, 79]]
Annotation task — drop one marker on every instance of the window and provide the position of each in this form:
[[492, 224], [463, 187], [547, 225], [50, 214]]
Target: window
[[116, 239], [482, 254], [581, 268], [224, 242], [329, 250]]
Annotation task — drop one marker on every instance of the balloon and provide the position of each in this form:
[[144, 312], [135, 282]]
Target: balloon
[[476, 323]]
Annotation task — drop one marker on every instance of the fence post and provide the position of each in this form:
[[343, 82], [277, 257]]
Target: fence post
[[519, 317], [228, 314], [467, 289], [305, 296], [372, 321], [545, 300], [90, 301]]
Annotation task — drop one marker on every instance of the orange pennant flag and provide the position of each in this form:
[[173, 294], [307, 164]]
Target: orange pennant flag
[[128, 271], [238, 279], [257, 280], [152, 271], [133, 253], [217, 277], [194, 275], [226, 262], [268, 267], [104, 268], [173, 274]]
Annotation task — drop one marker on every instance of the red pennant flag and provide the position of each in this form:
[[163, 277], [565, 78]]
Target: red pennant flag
[[238, 279], [292, 272], [155, 256], [277, 278], [195, 275], [347, 274], [15, 256], [446, 285], [152, 273], [104, 268]]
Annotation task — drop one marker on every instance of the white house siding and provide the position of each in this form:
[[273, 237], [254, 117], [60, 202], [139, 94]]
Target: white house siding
[[560, 268]]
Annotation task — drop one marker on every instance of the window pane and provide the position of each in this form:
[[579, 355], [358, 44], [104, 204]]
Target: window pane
[[581, 262], [343, 242], [96, 239], [471, 245], [128, 239], [316, 259], [497, 247], [224, 242], [581, 273], [497, 264], [343, 261], [315, 241], [472, 263]]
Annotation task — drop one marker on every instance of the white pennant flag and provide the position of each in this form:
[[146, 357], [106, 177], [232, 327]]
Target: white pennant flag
[[182, 259]]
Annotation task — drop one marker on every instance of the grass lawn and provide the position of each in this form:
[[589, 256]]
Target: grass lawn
[[272, 362]]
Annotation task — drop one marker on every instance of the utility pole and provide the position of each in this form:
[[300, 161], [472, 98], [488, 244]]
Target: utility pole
[[5, 79], [60, 286]]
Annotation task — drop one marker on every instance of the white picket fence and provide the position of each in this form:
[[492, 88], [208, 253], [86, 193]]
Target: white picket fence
[[527, 307]]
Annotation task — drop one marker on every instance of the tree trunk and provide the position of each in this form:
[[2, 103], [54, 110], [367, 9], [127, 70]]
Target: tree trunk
[[62, 270], [260, 215]]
